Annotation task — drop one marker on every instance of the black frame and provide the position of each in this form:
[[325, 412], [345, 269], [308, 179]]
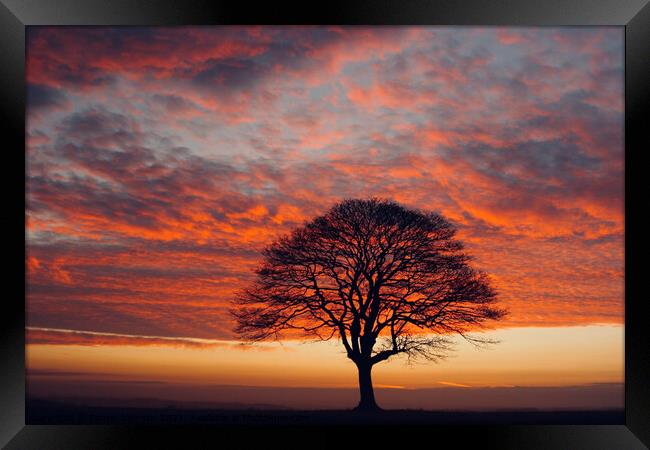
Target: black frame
[[634, 15]]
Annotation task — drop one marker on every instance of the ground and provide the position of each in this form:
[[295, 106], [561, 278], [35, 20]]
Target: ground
[[52, 412]]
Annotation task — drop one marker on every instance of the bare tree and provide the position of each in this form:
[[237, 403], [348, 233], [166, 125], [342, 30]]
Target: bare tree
[[384, 279]]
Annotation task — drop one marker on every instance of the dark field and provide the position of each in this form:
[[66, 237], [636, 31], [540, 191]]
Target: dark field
[[52, 412]]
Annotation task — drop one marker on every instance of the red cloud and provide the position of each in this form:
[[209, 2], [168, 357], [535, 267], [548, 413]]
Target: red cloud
[[147, 214]]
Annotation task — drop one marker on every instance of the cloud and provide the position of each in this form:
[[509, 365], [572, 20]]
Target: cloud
[[40, 96], [46, 336], [164, 159]]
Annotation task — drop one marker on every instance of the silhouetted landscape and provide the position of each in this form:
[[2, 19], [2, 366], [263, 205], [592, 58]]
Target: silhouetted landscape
[[129, 402], [53, 412]]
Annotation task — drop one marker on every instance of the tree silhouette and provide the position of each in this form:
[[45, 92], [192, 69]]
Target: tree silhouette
[[385, 279]]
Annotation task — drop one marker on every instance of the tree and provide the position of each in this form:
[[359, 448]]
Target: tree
[[385, 279]]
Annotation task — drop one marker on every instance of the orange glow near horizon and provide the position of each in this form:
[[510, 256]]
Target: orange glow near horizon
[[524, 357]]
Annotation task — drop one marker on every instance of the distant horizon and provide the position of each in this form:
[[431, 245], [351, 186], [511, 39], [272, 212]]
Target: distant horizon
[[601, 396]]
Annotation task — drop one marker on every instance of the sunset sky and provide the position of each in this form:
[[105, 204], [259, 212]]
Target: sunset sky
[[162, 160]]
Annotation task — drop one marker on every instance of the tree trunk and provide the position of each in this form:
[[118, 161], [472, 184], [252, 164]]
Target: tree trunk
[[366, 392]]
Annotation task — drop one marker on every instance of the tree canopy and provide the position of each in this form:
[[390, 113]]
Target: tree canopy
[[382, 278]]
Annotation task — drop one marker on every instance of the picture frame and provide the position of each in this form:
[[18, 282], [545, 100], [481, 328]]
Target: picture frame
[[634, 15]]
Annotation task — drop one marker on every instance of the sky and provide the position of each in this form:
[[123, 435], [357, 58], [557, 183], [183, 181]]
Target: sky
[[160, 161]]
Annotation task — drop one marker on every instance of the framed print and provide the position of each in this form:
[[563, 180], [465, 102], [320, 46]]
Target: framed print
[[367, 219]]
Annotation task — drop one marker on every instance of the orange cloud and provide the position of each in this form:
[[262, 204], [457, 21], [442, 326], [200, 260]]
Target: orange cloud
[[148, 213]]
